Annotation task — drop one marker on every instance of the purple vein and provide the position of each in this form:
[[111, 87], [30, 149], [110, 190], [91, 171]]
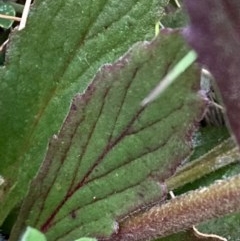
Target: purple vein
[[119, 191], [106, 150], [122, 102], [69, 192], [87, 143], [58, 169], [109, 146], [132, 132]]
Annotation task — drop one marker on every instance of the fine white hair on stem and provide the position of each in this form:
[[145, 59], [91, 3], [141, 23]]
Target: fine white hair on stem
[[25, 15], [180, 67]]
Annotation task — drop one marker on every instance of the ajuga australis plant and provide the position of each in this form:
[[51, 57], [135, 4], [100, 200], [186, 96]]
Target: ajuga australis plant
[[106, 125]]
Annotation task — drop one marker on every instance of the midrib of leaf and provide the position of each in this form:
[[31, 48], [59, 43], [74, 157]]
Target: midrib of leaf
[[39, 91]]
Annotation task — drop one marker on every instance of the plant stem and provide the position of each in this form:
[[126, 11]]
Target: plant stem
[[220, 156], [182, 212]]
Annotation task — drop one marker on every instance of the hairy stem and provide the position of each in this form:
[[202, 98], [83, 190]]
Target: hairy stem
[[182, 212]]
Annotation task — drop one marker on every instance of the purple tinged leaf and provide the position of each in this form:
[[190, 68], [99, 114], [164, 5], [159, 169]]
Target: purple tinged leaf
[[112, 155], [214, 32], [46, 65]]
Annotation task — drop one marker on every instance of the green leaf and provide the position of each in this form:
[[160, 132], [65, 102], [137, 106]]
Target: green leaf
[[6, 9], [47, 63], [32, 234], [112, 154]]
